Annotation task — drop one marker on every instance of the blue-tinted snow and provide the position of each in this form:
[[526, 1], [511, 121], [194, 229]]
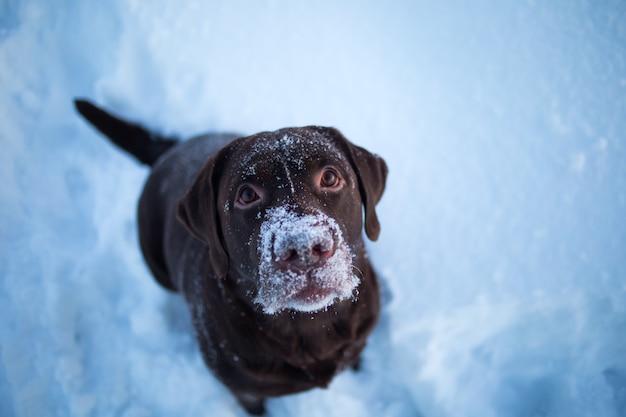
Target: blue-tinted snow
[[503, 239]]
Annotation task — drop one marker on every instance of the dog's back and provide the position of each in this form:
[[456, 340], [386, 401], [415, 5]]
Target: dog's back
[[170, 178]]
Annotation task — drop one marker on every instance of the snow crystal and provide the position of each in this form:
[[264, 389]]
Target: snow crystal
[[290, 146]]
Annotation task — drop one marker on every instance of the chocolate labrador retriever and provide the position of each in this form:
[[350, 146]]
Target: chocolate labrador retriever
[[263, 237]]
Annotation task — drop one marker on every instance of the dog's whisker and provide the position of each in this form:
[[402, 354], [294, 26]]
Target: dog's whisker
[[360, 273]]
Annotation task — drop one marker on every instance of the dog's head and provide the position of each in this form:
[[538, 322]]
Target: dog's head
[[282, 214]]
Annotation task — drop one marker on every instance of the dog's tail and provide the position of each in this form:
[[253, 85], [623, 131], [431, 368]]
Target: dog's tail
[[144, 145]]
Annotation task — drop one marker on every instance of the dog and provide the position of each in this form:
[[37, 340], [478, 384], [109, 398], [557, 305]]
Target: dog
[[263, 236]]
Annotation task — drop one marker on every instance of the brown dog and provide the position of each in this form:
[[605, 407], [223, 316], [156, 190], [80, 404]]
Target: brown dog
[[263, 236]]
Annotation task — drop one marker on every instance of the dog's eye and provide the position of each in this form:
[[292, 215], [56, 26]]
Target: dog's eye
[[329, 179], [247, 196]]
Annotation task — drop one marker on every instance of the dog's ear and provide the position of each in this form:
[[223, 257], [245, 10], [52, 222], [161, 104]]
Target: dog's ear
[[197, 210], [371, 171]]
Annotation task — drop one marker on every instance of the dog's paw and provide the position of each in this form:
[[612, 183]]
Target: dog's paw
[[252, 404]]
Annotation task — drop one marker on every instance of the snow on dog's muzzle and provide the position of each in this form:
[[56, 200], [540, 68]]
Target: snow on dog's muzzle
[[305, 264], [302, 245]]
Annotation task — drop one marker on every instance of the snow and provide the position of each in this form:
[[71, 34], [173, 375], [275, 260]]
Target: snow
[[282, 232], [293, 147], [503, 224]]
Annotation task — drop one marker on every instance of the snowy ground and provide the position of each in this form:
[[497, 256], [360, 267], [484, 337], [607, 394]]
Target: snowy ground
[[503, 238]]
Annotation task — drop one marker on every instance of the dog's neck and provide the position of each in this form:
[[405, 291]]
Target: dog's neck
[[304, 340]]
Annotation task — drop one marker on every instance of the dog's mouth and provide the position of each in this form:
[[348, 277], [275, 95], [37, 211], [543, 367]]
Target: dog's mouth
[[312, 294], [323, 275], [307, 291], [311, 299]]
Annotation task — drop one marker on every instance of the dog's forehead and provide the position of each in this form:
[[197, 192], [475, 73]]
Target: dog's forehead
[[294, 147]]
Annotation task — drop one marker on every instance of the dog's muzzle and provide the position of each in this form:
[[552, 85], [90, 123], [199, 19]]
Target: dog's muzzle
[[305, 263]]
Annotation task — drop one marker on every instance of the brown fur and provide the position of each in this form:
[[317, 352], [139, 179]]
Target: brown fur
[[197, 242]]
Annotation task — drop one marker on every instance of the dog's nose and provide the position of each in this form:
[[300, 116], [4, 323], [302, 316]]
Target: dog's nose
[[303, 251]]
